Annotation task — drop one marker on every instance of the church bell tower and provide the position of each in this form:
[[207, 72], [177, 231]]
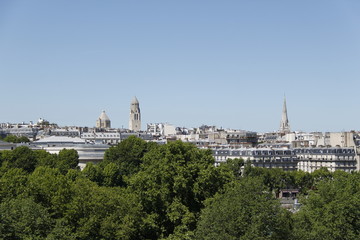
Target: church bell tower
[[135, 116]]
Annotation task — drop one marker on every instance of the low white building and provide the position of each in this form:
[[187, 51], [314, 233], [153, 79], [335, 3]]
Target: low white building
[[6, 146], [93, 153]]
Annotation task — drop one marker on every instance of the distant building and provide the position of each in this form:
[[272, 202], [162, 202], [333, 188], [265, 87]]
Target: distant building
[[93, 153], [105, 137], [19, 130], [103, 121], [311, 159], [304, 159], [268, 137], [6, 145], [260, 157], [161, 129], [284, 124], [301, 139], [337, 139], [135, 116], [112, 136], [241, 138], [143, 135], [65, 131]]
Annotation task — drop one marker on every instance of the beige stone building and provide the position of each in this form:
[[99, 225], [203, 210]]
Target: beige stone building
[[135, 116], [103, 121]]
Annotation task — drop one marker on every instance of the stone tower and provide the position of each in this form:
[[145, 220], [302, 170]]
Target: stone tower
[[135, 116], [103, 121], [284, 124]]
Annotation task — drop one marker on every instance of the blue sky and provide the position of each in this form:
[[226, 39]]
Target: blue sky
[[223, 63]]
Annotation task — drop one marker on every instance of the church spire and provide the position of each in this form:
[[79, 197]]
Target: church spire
[[284, 124]]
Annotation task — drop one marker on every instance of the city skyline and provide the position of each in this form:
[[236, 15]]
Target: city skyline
[[226, 64]]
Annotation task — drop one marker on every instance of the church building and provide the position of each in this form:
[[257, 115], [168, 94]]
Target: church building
[[103, 121], [284, 124], [135, 116]]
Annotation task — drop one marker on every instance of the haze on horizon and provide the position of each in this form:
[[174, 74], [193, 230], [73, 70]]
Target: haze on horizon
[[223, 63]]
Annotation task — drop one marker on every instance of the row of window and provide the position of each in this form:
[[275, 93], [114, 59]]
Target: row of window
[[99, 136], [284, 152], [325, 151], [254, 153]]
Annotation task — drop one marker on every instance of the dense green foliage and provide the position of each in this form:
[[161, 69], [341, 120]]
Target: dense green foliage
[[127, 155], [173, 182], [15, 139], [173, 191], [333, 210], [247, 210]]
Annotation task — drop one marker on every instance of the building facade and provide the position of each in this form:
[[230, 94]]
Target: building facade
[[311, 159], [304, 159], [260, 157]]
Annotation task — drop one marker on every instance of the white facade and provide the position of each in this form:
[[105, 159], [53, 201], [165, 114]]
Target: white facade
[[311, 159], [260, 157], [161, 129], [102, 137], [304, 159], [336, 139], [301, 139]]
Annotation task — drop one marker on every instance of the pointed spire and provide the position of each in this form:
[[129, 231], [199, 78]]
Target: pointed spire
[[135, 100], [284, 124]]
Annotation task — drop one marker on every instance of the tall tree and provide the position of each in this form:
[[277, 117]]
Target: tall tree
[[93, 172], [50, 188], [95, 212], [15, 139], [247, 210], [332, 210], [127, 154], [173, 182], [13, 183], [45, 158], [23, 218], [67, 159], [21, 157]]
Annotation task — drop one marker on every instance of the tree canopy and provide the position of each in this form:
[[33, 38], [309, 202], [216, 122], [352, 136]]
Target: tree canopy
[[171, 191], [128, 154], [332, 211], [246, 210], [16, 139], [173, 181]]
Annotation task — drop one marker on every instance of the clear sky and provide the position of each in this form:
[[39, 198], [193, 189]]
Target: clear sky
[[189, 62]]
